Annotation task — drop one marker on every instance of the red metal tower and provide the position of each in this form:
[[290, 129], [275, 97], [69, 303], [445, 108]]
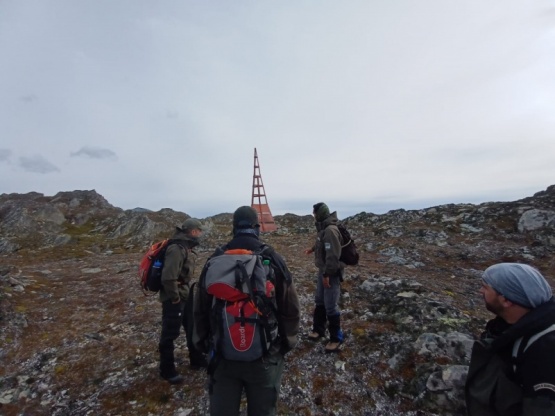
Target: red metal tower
[[259, 201]]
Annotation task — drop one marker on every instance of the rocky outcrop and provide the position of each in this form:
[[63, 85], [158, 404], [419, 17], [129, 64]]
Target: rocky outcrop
[[33, 221]]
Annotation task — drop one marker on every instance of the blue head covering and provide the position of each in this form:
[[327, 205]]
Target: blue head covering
[[519, 283]]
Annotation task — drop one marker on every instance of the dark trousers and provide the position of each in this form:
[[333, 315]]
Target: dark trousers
[[173, 318], [319, 320], [260, 379]]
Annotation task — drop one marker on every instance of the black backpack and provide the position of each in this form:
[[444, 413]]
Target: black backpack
[[490, 387], [349, 254]]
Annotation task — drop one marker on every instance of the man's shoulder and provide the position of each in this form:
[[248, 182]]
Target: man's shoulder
[[536, 351], [266, 249], [543, 341], [332, 230], [175, 246], [537, 366]]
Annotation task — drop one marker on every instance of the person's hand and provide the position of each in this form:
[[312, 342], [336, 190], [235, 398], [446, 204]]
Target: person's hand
[[308, 251], [326, 282]]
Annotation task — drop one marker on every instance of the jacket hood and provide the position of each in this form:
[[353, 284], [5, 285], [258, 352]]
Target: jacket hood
[[330, 220]]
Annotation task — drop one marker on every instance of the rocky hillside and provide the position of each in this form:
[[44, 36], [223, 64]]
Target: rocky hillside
[[78, 337]]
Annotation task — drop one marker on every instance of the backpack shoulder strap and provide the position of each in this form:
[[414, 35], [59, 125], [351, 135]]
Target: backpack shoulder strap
[[346, 238], [534, 338], [265, 251], [220, 250], [520, 347]]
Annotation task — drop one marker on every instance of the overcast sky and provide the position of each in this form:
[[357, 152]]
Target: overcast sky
[[366, 105]]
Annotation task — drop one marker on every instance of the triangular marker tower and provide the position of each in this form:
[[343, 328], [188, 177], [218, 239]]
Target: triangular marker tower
[[259, 201]]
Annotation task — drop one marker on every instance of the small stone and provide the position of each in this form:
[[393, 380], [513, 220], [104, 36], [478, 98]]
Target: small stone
[[407, 294], [91, 271]]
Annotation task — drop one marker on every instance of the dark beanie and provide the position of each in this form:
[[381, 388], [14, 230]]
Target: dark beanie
[[245, 217], [321, 211]]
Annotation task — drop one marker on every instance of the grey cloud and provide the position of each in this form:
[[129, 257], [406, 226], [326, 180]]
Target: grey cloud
[[29, 98], [94, 153], [5, 155], [37, 164]]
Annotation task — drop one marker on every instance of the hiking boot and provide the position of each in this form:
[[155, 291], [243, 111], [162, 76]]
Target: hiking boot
[[314, 336], [333, 346], [177, 379], [319, 322], [336, 334]]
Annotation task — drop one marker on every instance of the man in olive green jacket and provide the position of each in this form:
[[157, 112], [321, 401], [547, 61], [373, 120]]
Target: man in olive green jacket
[[178, 269], [327, 250]]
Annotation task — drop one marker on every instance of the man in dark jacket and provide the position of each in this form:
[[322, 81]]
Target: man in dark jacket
[[327, 250], [512, 368], [261, 378], [179, 266]]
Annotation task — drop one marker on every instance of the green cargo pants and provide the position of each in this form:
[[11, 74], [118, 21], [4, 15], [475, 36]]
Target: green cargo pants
[[261, 380]]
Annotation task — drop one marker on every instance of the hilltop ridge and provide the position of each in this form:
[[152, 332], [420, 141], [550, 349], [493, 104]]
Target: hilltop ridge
[[78, 336]]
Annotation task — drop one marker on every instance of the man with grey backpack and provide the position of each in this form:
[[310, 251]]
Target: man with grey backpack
[[512, 368], [246, 315]]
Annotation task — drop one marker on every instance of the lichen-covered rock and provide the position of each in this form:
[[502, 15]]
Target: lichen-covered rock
[[535, 219]]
